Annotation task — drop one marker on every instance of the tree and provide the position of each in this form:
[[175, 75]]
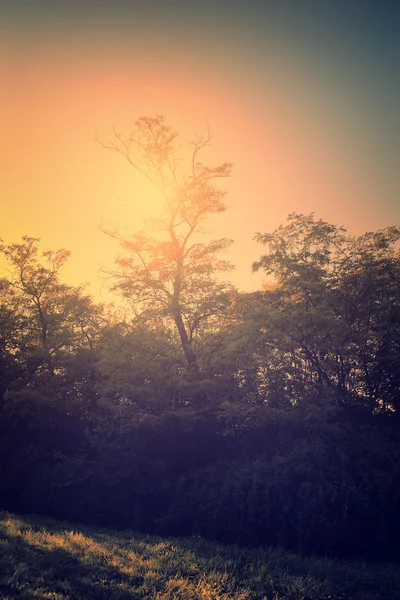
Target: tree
[[171, 274], [11, 325], [57, 317], [334, 318]]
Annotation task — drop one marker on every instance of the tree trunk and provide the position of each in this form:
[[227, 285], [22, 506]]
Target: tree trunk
[[177, 314], [43, 325], [186, 347]]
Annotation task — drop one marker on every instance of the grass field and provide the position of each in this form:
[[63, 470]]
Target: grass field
[[42, 558]]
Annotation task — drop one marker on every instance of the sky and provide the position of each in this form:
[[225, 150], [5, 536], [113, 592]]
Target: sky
[[301, 96]]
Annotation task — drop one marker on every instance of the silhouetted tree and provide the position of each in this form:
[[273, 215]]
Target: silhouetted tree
[[334, 317], [58, 318], [171, 274]]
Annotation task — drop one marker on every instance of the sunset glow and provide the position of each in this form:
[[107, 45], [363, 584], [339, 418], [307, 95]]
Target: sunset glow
[[302, 136], [200, 299]]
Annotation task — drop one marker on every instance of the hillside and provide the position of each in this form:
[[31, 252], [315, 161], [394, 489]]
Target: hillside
[[42, 558]]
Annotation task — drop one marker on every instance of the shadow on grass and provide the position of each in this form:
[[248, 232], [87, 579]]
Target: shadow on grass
[[30, 571], [41, 558]]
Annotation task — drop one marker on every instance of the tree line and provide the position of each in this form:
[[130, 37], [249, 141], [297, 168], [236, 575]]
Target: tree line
[[266, 418]]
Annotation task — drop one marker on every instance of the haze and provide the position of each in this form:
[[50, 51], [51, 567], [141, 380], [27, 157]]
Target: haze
[[301, 97]]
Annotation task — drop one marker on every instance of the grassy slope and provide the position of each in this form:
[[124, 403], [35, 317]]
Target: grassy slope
[[47, 559]]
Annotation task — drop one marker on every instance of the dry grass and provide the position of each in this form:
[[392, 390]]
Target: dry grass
[[45, 559]]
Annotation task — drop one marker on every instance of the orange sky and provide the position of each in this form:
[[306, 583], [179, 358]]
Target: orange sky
[[299, 140]]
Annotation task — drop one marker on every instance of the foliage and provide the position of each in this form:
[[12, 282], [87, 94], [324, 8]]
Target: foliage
[[283, 431], [171, 273], [52, 318], [333, 319]]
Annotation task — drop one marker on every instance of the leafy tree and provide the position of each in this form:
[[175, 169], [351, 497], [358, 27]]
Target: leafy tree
[[57, 318], [12, 324], [334, 318], [171, 274], [139, 366], [294, 440], [49, 338]]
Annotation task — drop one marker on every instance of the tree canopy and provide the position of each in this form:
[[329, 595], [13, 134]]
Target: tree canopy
[[269, 417]]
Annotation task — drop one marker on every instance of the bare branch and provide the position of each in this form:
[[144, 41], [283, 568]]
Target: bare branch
[[160, 275]]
